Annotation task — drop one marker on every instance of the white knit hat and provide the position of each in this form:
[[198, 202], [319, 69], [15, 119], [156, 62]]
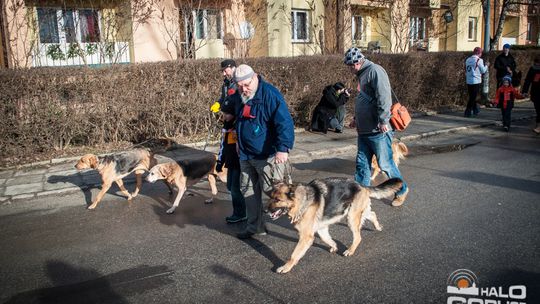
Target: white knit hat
[[243, 72]]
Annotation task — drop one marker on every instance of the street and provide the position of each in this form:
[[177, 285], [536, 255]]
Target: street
[[473, 204]]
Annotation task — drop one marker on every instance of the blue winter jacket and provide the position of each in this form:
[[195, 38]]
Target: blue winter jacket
[[270, 128]]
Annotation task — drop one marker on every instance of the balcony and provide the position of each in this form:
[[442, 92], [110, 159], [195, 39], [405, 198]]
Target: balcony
[[73, 54]]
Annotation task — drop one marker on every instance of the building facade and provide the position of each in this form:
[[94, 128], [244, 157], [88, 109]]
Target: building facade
[[93, 32]]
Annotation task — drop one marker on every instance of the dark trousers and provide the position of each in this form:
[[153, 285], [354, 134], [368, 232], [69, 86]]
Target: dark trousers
[[233, 185], [507, 114], [472, 108], [536, 102]]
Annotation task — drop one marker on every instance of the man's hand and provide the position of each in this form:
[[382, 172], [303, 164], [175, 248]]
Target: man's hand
[[281, 157], [384, 127]]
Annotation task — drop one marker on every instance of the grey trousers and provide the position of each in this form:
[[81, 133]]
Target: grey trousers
[[257, 178], [338, 121]]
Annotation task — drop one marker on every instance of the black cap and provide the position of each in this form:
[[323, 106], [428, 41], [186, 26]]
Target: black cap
[[227, 63]]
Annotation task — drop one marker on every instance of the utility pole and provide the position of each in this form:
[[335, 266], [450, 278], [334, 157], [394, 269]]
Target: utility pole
[[485, 77]]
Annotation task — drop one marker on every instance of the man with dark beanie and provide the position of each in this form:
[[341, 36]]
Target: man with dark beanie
[[228, 66]]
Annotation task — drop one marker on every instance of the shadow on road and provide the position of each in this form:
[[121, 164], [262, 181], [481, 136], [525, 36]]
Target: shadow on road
[[495, 180], [102, 289]]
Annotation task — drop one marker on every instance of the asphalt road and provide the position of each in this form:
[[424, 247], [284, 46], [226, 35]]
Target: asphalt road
[[474, 204]]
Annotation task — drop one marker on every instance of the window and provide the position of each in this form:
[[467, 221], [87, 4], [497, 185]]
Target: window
[[417, 29], [208, 24], [300, 26], [357, 28], [472, 28], [48, 25], [529, 33], [68, 25]]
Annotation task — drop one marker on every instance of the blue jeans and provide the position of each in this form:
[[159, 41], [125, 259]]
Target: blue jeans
[[233, 185], [380, 145]]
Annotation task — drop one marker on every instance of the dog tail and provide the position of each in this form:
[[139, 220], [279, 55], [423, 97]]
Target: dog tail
[[386, 189], [403, 148]]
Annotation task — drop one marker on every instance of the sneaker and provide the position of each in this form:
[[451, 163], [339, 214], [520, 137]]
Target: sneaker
[[235, 219], [506, 129], [400, 199], [247, 235]]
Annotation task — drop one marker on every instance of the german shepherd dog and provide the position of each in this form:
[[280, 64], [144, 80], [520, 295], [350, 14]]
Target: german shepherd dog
[[399, 151], [114, 167], [184, 173], [314, 206]]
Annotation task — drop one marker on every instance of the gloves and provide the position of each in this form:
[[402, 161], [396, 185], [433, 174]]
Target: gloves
[[215, 107], [219, 166]]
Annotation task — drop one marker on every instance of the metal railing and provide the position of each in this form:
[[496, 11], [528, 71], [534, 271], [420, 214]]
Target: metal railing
[[68, 54]]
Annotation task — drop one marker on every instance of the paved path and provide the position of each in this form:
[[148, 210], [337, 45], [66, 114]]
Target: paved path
[[60, 176]]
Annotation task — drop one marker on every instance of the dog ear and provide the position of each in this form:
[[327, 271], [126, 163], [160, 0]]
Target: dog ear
[[165, 170], [93, 161]]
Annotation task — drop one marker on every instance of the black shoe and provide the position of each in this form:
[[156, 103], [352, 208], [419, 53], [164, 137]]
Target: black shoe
[[506, 129], [235, 219], [247, 235], [338, 131]]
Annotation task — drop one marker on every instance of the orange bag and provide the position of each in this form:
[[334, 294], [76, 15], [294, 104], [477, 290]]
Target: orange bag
[[400, 117]]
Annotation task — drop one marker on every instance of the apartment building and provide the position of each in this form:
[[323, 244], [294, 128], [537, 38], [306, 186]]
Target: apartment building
[[93, 32]]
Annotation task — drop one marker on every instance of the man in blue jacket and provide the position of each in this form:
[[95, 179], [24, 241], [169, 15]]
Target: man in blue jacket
[[265, 132], [372, 121]]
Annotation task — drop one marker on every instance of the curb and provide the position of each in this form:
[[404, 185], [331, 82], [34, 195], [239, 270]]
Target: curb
[[7, 199]]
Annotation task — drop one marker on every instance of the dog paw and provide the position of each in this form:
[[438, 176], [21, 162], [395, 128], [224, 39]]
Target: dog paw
[[134, 194], [209, 201], [348, 253], [91, 207], [333, 249], [379, 228], [284, 269], [170, 211], [130, 198]]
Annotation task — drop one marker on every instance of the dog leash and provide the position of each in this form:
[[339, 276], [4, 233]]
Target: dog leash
[[287, 173]]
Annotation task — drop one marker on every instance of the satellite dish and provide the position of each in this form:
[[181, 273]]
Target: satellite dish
[[247, 31]]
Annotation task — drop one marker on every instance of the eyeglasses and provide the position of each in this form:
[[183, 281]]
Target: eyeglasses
[[246, 84]]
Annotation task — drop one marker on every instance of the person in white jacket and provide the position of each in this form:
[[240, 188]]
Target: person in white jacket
[[474, 68]]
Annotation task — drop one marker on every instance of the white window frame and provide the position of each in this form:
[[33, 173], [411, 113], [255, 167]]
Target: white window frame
[[415, 29], [472, 35], [204, 35], [294, 18], [362, 27], [60, 23]]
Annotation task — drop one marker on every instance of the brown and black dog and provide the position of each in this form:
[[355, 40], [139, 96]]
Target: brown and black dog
[[114, 167], [186, 173], [399, 151], [314, 206]]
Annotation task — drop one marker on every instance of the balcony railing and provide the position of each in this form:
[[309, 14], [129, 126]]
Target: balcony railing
[[67, 54]]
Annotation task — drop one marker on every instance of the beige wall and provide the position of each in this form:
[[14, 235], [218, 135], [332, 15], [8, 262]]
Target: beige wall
[[279, 28], [464, 11], [151, 40]]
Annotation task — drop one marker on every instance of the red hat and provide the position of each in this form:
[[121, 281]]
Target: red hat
[[477, 50]]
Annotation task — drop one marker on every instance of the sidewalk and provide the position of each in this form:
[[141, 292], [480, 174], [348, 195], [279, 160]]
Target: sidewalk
[[61, 178]]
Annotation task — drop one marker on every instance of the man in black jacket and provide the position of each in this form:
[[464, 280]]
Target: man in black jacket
[[532, 82], [505, 65], [330, 112]]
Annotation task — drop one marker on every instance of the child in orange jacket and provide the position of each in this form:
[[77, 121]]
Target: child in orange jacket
[[504, 99]]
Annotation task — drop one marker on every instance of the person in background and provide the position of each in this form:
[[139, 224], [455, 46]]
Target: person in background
[[532, 82], [505, 64], [474, 68], [330, 112], [504, 99]]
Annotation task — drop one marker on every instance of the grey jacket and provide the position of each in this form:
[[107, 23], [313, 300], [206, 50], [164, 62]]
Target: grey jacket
[[374, 99]]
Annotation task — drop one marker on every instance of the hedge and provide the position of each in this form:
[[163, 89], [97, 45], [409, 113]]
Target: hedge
[[48, 111]]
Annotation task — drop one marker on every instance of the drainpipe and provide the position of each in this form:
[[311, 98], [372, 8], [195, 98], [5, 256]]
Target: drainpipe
[[3, 35]]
